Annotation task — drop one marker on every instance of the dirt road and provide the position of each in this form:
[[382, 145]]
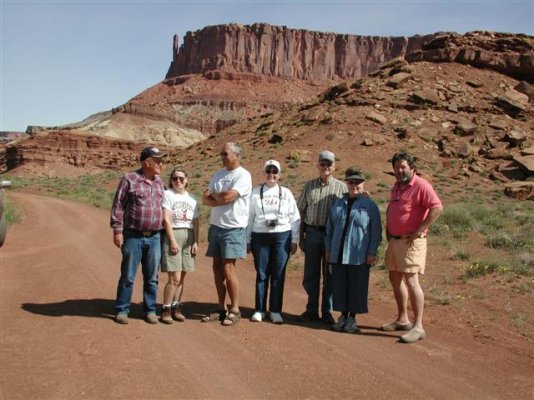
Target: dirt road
[[59, 270]]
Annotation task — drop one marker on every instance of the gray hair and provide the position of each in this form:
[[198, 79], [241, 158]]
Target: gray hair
[[236, 149]]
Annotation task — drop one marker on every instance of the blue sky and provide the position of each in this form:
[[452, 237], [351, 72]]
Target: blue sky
[[61, 61]]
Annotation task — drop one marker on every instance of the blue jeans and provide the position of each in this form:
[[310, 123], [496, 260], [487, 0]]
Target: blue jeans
[[271, 254], [314, 265], [147, 251]]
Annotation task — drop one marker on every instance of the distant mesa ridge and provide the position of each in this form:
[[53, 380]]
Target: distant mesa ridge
[[278, 51]]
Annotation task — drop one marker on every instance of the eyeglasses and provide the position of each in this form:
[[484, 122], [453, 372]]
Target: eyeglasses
[[325, 164], [178, 178], [273, 171], [354, 182], [223, 154], [157, 161]]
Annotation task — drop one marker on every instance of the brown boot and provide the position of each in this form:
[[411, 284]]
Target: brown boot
[[177, 313], [166, 316]]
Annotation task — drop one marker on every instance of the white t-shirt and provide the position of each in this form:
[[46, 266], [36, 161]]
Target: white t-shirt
[[183, 208], [282, 208], [235, 214]]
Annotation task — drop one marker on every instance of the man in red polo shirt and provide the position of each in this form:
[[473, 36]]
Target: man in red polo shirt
[[412, 209]]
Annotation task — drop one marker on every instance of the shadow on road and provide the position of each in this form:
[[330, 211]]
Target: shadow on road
[[94, 308]]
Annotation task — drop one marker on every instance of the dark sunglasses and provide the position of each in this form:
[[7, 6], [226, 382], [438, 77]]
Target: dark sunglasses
[[223, 154], [325, 164], [354, 182], [178, 178], [273, 171]]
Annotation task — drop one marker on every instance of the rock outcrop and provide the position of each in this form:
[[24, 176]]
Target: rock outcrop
[[509, 54], [278, 51]]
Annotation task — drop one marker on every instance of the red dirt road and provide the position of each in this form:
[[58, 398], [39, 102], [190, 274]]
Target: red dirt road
[[59, 270]]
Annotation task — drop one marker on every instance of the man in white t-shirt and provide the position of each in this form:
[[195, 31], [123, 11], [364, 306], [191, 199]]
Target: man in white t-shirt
[[228, 194]]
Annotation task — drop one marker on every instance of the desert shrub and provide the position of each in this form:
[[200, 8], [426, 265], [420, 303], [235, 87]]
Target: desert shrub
[[12, 212], [480, 268]]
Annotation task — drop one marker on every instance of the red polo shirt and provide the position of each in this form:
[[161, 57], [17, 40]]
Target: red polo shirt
[[408, 207]]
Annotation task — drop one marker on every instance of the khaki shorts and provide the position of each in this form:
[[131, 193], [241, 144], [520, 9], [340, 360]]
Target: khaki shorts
[[183, 260], [403, 257]]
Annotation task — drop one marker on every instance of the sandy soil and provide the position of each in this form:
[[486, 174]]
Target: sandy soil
[[59, 270]]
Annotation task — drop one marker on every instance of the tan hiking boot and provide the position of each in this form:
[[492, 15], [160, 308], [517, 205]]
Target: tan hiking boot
[[177, 313], [166, 317]]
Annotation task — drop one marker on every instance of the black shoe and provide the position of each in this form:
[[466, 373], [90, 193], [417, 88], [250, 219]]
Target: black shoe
[[328, 319], [307, 316]]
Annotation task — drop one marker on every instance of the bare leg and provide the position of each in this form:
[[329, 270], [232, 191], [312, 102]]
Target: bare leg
[[401, 296], [232, 282], [170, 288], [180, 288], [417, 298], [218, 275]]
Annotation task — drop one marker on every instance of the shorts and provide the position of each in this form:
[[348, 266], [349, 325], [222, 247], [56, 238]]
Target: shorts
[[183, 260], [226, 243], [405, 257]]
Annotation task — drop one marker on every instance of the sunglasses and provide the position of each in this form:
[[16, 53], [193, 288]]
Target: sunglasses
[[273, 171], [178, 178], [325, 164], [223, 154], [354, 182]]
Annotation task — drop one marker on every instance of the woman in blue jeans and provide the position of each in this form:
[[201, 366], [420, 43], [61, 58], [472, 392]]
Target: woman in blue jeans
[[353, 234], [272, 235]]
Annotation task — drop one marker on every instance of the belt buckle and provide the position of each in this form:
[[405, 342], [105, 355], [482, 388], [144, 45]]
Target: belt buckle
[[146, 233]]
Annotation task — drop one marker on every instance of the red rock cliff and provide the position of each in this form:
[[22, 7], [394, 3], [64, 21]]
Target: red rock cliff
[[286, 53]]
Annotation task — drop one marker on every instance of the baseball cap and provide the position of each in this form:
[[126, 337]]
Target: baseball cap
[[353, 174], [273, 163], [327, 155], [151, 152]]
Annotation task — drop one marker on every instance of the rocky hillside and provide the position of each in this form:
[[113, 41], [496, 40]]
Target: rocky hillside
[[457, 100]]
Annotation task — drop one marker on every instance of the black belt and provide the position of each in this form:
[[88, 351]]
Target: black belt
[[404, 236], [317, 227], [141, 233]]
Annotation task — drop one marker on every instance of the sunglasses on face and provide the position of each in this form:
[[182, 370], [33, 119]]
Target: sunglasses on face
[[273, 171], [223, 154], [353, 182], [178, 178], [325, 164]]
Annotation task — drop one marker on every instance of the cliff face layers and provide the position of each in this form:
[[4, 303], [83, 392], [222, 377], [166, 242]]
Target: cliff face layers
[[285, 53]]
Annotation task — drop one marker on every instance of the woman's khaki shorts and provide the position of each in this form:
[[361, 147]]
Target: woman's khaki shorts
[[403, 257], [183, 260]]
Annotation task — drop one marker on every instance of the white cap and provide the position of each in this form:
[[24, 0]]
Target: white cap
[[273, 163]]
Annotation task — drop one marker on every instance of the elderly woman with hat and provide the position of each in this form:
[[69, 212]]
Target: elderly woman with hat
[[353, 234], [272, 235]]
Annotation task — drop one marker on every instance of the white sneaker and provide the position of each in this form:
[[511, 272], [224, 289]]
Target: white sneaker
[[257, 316], [341, 321], [277, 318], [350, 325]]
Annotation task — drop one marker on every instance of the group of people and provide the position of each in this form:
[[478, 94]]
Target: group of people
[[336, 224]]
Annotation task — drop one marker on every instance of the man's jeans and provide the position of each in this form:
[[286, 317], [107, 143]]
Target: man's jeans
[[271, 254], [314, 265], [147, 251]]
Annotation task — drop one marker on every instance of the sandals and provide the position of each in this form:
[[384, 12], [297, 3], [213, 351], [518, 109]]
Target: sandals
[[214, 316], [232, 318]]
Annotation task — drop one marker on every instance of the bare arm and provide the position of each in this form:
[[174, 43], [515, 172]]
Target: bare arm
[[168, 230], [194, 248], [432, 216], [214, 199]]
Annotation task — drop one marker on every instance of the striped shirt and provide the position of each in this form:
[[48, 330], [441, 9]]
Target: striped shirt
[[138, 204], [317, 198]]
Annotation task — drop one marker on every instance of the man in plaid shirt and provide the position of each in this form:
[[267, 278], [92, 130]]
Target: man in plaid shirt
[[136, 220]]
